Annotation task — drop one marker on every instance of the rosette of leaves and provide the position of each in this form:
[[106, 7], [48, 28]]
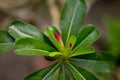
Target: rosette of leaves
[[71, 48]]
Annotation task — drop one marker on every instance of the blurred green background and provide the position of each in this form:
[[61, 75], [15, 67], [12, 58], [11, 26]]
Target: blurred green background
[[105, 14]]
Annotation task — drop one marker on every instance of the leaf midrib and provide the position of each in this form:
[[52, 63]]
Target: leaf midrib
[[50, 71], [63, 72], [84, 40], [70, 26], [20, 33], [35, 50], [77, 71], [88, 70]]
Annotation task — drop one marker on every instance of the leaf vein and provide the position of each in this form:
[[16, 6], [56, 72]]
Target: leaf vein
[[70, 27]]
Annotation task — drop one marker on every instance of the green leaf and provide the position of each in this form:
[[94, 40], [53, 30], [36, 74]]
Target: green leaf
[[87, 35], [48, 73], [79, 71], [71, 18], [101, 56], [94, 63], [32, 46], [6, 41], [77, 75], [53, 54], [19, 29], [64, 74], [51, 30], [82, 51]]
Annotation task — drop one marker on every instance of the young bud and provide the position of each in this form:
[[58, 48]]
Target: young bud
[[58, 38], [70, 45]]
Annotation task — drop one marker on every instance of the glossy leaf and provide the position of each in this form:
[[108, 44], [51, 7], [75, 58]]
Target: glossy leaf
[[19, 29], [85, 74], [71, 18], [94, 63], [44, 74], [51, 34], [32, 46], [64, 73], [6, 41], [101, 56], [53, 54], [86, 36], [77, 75], [82, 51]]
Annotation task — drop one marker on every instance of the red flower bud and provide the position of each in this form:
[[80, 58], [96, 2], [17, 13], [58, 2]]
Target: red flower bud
[[59, 39], [57, 36], [70, 45]]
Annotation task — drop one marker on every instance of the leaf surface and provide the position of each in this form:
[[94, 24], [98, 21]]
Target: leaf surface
[[64, 73], [44, 74], [19, 29], [82, 51], [71, 18], [87, 75], [32, 46], [87, 35], [77, 75], [95, 62], [6, 41]]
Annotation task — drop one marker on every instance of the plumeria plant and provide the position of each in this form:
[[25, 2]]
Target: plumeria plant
[[71, 48]]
